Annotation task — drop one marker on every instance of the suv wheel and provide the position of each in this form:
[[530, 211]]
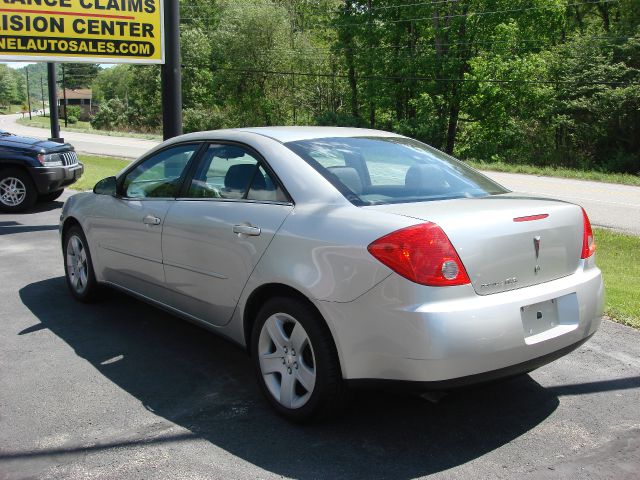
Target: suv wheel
[[17, 191]]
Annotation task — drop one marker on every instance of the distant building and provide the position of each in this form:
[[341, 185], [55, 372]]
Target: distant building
[[81, 97]]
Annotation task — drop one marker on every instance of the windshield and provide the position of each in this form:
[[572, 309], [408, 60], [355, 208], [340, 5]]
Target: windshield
[[380, 170]]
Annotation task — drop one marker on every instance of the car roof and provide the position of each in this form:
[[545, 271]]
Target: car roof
[[293, 134], [289, 134]]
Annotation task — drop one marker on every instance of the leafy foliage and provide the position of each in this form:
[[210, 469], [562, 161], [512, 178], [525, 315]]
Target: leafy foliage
[[10, 87], [73, 113], [548, 82], [79, 75]]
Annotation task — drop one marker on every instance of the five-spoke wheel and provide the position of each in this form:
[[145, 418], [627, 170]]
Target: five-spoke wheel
[[78, 266], [287, 361], [296, 360]]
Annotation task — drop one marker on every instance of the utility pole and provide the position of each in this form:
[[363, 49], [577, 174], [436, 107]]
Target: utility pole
[[44, 112], [64, 95], [26, 69], [53, 103], [171, 73]]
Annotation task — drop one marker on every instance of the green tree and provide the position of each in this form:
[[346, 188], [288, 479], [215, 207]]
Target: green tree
[[8, 87], [80, 75]]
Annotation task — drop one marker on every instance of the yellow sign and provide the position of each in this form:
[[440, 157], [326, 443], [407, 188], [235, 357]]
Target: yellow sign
[[97, 31]]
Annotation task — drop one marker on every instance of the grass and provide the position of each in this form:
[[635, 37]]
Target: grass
[[594, 175], [83, 127], [96, 168], [13, 108], [618, 256]]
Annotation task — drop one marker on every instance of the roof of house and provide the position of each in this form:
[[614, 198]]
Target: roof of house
[[77, 93]]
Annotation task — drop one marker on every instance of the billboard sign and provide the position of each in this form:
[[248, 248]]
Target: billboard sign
[[96, 31]]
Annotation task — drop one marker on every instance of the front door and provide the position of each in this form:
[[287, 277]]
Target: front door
[[128, 228], [214, 237]]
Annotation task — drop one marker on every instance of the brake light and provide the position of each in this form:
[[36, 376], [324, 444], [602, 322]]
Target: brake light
[[588, 243], [421, 253], [531, 218]]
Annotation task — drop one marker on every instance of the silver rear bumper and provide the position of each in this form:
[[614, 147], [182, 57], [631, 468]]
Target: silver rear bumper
[[392, 333]]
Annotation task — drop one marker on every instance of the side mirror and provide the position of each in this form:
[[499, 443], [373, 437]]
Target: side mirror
[[106, 186]]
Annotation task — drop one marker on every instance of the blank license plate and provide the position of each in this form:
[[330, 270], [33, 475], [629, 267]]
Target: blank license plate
[[539, 317]]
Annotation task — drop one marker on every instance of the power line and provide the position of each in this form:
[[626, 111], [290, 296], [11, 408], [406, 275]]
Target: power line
[[471, 14], [422, 78], [447, 16], [338, 7]]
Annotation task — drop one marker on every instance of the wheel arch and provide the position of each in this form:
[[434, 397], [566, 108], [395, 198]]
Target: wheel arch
[[13, 163], [68, 223], [270, 290]]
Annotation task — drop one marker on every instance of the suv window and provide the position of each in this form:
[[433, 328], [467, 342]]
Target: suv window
[[232, 172], [159, 175]]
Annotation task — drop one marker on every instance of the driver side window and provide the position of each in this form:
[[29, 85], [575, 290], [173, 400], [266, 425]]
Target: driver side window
[[159, 175]]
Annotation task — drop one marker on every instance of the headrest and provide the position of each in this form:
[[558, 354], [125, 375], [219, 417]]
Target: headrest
[[239, 176], [349, 177], [424, 177]]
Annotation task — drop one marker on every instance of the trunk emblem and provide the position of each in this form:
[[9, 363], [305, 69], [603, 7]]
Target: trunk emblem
[[536, 246]]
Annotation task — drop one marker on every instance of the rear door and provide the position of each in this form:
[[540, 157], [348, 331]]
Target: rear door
[[127, 229], [216, 232]]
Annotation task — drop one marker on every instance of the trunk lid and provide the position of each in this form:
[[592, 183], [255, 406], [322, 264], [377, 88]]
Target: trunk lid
[[498, 252]]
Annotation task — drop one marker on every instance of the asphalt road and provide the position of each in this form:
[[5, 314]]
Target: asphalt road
[[83, 142], [122, 390], [608, 205]]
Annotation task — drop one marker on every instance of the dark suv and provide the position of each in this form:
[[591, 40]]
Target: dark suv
[[32, 170]]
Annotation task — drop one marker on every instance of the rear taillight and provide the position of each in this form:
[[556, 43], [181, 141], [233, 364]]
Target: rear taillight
[[421, 253], [588, 243]]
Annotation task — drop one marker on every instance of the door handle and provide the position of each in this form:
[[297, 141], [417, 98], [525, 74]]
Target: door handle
[[151, 220], [245, 229]]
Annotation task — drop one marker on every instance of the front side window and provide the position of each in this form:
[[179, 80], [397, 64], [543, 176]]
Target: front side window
[[232, 172], [380, 170], [159, 176]]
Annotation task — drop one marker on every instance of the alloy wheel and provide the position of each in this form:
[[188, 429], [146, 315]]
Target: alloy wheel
[[12, 191], [287, 360], [77, 266]]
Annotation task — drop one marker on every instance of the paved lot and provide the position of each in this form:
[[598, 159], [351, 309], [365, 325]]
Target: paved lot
[[122, 390]]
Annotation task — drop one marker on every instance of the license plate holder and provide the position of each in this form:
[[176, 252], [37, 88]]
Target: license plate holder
[[539, 317]]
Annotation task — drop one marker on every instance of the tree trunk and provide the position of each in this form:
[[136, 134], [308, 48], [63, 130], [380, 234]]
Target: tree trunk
[[603, 9], [452, 129], [346, 36]]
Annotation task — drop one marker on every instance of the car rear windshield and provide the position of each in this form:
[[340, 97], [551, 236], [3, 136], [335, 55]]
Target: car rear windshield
[[380, 170]]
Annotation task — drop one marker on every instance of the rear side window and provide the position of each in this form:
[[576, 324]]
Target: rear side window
[[232, 172], [380, 170]]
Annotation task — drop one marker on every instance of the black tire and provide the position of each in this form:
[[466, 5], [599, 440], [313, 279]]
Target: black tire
[[83, 287], [51, 196], [329, 395], [17, 190]]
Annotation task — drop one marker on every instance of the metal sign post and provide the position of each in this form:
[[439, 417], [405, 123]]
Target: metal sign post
[[53, 103], [84, 31], [171, 72]]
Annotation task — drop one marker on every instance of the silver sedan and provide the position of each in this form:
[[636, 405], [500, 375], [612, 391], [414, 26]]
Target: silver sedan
[[340, 257]]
